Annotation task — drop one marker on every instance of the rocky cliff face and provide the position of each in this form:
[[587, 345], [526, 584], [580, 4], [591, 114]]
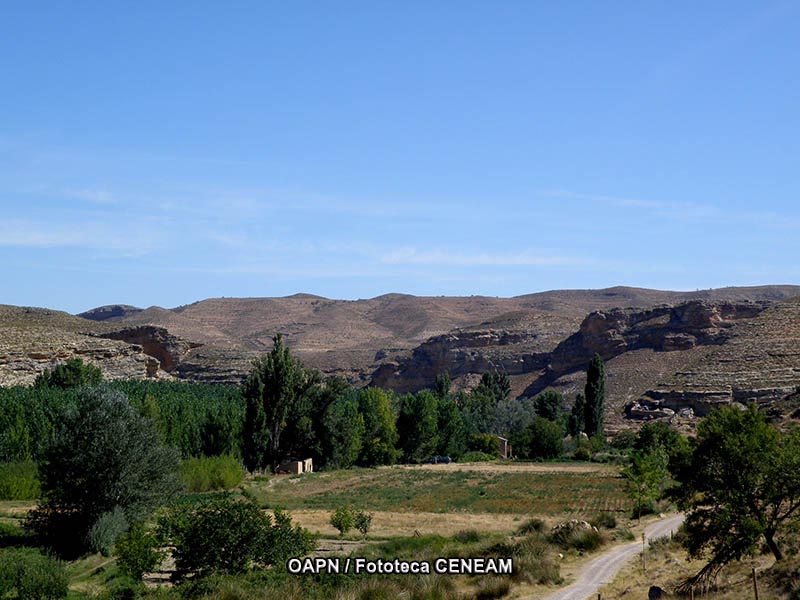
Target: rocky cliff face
[[662, 328], [460, 354], [157, 342], [33, 339]]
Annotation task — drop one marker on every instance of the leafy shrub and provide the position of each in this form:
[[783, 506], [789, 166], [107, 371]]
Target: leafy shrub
[[19, 481], [138, 552], [606, 520], [228, 534], [531, 526], [32, 575], [467, 536], [492, 587], [362, 521], [576, 535], [583, 450], [485, 443], [211, 473], [475, 456], [343, 519], [105, 531], [71, 374]]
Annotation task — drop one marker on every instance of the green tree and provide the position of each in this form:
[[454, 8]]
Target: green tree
[[550, 405], [743, 486], [442, 385], [343, 434], [362, 521], [343, 519], [380, 429], [496, 385], [71, 374], [659, 435], [105, 457], [646, 477], [595, 392], [138, 552], [274, 393], [542, 439], [417, 426], [452, 432], [577, 417], [228, 534]]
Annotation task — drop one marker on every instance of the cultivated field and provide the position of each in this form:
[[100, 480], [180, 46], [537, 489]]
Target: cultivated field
[[444, 499]]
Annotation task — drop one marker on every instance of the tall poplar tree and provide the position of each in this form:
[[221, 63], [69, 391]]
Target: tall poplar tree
[[595, 395], [274, 393]]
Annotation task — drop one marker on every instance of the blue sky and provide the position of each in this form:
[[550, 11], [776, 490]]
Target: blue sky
[[161, 153]]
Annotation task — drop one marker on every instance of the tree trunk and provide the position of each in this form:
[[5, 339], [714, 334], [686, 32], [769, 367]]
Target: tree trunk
[[776, 551]]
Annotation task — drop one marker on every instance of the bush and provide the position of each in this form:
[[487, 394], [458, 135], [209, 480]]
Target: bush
[[467, 536], [104, 533], [32, 575], [475, 456], [546, 438], [576, 535], [492, 587], [19, 481], [606, 520], [343, 519], [138, 552], [485, 443], [531, 526], [228, 534], [71, 374], [362, 521], [206, 474]]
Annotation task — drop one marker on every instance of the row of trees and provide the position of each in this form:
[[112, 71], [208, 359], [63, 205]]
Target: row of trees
[[284, 409], [291, 411]]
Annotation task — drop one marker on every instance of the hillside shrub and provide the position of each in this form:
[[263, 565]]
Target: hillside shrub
[[485, 443], [343, 519], [531, 526], [105, 531], [211, 473], [138, 552], [576, 535], [362, 522], [227, 534], [605, 519], [475, 456], [19, 481], [28, 574]]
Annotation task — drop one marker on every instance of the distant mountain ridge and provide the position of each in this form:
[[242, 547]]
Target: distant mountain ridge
[[651, 339]]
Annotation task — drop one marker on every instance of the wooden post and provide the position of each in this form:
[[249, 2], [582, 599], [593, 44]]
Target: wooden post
[[644, 560], [755, 583], [691, 593]]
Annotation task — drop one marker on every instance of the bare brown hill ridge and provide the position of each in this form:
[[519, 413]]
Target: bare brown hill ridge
[[666, 351]]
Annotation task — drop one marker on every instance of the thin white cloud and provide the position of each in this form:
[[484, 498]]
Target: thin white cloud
[[18, 233], [92, 196], [680, 210], [414, 256]]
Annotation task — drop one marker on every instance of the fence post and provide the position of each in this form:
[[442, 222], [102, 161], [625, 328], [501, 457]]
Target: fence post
[[644, 560], [755, 583]]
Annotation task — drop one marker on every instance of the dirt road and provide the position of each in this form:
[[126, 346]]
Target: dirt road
[[603, 568]]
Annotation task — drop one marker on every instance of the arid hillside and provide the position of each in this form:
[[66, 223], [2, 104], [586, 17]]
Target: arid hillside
[[666, 352]]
